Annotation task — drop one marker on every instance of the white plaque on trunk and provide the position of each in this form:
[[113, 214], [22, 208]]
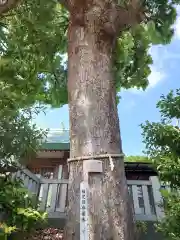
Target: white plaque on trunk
[[83, 211]]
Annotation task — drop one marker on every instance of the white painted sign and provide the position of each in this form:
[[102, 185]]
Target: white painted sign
[[83, 211]]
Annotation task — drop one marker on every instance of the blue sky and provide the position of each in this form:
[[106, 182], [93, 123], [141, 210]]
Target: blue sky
[[136, 106]]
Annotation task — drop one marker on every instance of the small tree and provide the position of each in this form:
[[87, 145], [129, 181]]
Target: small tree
[[19, 140], [162, 141]]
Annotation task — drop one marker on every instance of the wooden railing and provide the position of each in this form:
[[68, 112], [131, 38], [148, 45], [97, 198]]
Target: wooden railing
[[147, 199], [52, 194], [30, 180]]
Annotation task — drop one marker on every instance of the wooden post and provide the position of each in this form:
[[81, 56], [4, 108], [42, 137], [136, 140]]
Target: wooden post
[[35, 187], [53, 200], [26, 181], [60, 169], [135, 199], [63, 195], [45, 190], [146, 200], [158, 201]]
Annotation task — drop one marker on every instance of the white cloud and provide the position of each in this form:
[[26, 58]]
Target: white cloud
[[154, 78], [157, 69], [177, 28], [177, 24], [162, 56]]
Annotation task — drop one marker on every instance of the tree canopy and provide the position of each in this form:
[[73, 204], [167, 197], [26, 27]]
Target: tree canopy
[[162, 141], [33, 41]]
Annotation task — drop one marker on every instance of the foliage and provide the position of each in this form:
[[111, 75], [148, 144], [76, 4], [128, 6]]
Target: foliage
[[143, 159], [169, 226], [17, 207], [35, 42], [162, 141], [19, 140], [31, 61], [141, 228]]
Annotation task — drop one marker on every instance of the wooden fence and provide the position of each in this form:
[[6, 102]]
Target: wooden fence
[[52, 194]]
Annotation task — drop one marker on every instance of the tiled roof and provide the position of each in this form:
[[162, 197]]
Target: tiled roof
[[55, 146], [58, 136], [57, 139]]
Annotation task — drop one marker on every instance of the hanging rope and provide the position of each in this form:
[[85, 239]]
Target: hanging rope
[[100, 156], [91, 157]]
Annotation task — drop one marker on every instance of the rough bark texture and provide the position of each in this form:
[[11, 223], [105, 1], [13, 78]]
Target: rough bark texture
[[7, 5], [94, 124]]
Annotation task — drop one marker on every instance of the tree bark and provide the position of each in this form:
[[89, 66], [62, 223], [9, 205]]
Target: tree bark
[[94, 130], [7, 5]]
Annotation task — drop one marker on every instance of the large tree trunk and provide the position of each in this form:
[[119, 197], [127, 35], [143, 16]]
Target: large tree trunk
[[94, 129]]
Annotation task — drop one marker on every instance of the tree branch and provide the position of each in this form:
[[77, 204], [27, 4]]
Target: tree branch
[[65, 3], [7, 5], [132, 15], [121, 18]]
